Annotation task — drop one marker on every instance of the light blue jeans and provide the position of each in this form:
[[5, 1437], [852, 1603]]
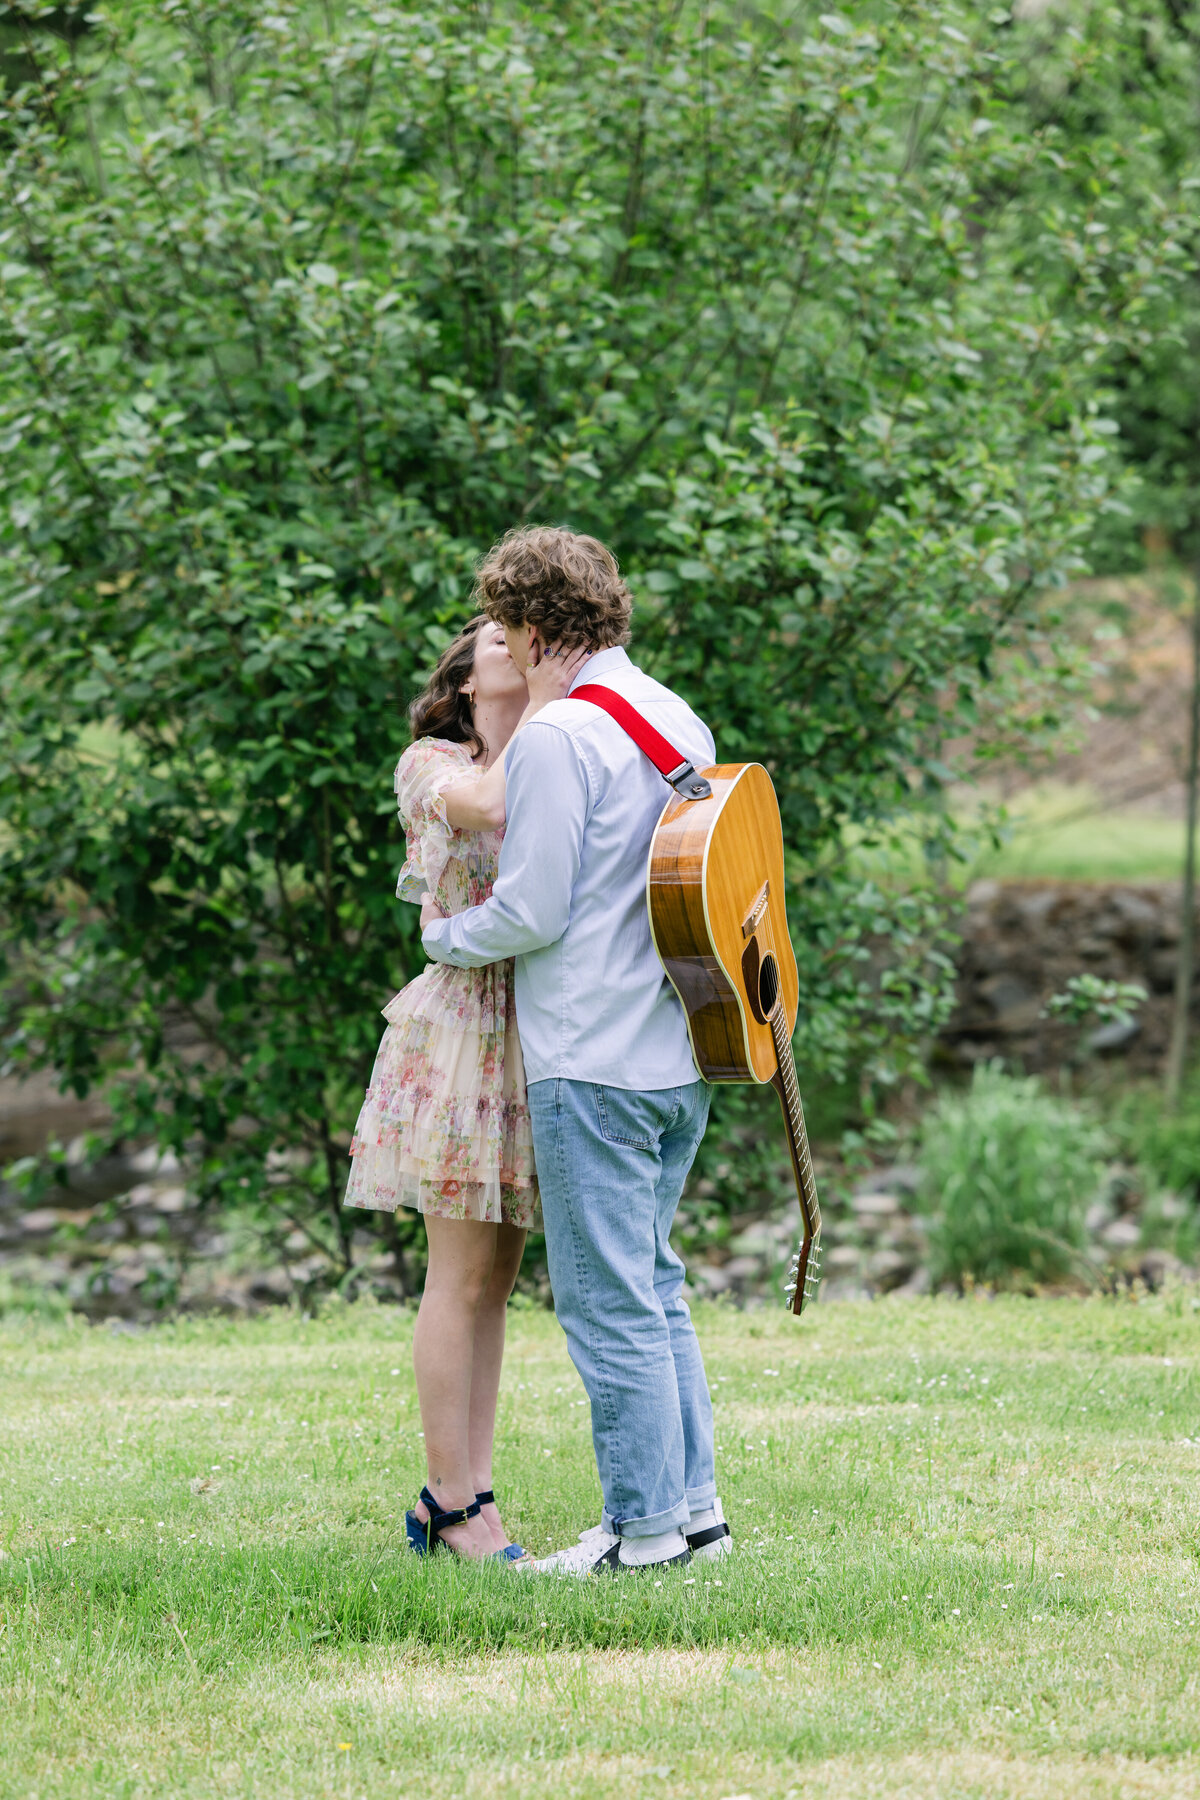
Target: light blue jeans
[[611, 1166]]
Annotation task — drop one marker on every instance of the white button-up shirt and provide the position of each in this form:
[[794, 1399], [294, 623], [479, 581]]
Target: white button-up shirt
[[569, 903]]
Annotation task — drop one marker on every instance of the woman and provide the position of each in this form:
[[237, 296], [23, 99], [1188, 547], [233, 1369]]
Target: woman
[[445, 1126]]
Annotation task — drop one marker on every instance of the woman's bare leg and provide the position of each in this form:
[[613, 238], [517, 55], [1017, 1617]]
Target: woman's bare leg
[[462, 1253], [485, 1371]]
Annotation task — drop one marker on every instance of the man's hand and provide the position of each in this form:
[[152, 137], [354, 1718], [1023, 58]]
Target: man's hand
[[430, 910]]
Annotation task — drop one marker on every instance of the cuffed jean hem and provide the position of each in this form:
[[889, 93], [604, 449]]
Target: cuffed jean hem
[[700, 1498], [664, 1521]]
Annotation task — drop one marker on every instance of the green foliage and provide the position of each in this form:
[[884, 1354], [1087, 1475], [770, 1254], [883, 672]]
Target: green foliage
[[1007, 1173], [1165, 1141], [299, 309], [1089, 998]]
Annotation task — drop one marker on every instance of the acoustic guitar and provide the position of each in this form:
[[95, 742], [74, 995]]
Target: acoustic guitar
[[715, 892]]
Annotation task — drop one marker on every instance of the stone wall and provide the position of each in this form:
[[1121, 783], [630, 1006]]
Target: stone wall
[[1023, 940]]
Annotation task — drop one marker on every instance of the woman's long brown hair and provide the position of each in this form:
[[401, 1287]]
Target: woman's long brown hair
[[441, 710]]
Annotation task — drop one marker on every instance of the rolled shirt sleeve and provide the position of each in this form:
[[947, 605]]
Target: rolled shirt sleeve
[[547, 801]]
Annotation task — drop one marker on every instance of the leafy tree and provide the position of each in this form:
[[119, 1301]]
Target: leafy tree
[[300, 308]]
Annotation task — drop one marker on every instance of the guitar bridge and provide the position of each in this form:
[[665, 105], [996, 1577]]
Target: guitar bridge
[[754, 917]]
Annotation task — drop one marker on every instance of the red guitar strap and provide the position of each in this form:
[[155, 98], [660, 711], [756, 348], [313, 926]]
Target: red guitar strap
[[670, 763]]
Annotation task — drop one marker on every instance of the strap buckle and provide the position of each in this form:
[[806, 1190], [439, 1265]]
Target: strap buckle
[[687, 784]]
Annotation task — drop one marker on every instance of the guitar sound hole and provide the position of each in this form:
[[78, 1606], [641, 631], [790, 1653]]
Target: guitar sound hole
[[768, 984]]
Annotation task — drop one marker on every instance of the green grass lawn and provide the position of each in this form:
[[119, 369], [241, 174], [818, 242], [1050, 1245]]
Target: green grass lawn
[[1055, 832], [1065, 834], [968, 1563]]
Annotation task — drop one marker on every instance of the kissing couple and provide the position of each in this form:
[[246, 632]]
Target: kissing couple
[[545, 1056]]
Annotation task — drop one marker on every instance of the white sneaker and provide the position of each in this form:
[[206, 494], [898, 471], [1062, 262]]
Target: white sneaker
[[708, 1536], [599, 1552]]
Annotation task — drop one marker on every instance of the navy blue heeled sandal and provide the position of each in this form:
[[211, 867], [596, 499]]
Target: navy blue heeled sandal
[[425, 1535], [510, 1552]]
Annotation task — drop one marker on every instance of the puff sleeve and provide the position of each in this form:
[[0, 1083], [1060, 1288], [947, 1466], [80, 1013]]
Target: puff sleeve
[[423, 774]]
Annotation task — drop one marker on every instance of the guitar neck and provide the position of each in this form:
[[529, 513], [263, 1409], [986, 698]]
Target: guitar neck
[[788, 1089]]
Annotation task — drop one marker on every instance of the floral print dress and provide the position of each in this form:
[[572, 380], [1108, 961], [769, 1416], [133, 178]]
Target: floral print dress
[[445, 1126]]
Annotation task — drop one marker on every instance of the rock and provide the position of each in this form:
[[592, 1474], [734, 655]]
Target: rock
[[983, 893], [1108, 1039], [1172, 1207], [1160, 971], [1094, 947], [272, 1285], [1134, 909], [743, 1268], [1014, 1002], [919, 1282], [711, 1280], [758, 1239], [841, 1259], [1098, 1215], [41, 1219], [102, 1180], [842, 1287], [901, 1178], [1033, 907], [886, 1269], [1159, 1266], [875, 1208], [171, 1200], [1121, 1234], [153, 1161], [907, 1235]]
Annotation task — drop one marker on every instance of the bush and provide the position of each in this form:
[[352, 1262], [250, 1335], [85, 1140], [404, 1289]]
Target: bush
[[1007, 1173], [300, 307], [1165, 1143], [1165, 1146]]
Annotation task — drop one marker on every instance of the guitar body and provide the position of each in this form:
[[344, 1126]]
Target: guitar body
[[715, 892], [708, 862]]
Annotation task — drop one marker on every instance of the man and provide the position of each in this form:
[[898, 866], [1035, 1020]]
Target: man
[[618, 1109]]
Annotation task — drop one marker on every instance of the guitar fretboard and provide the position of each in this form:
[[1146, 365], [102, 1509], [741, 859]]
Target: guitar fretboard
[[806, 1183]]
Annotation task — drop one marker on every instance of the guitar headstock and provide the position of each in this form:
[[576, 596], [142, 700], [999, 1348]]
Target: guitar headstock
[[804, 1275]]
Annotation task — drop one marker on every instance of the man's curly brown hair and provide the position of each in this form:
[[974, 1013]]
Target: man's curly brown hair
[[567, 585]]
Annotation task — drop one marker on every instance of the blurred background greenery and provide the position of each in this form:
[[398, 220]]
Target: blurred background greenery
[[865, 337]]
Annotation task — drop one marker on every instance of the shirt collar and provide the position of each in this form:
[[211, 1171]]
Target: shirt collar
[[605, 662]]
